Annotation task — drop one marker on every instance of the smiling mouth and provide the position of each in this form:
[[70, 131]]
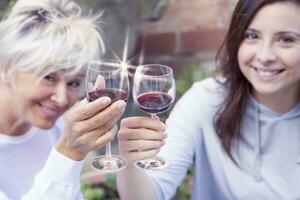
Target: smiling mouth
[[268, 73], [49, 112]]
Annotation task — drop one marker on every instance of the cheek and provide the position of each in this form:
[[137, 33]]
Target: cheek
[[291, 59], [73, 97], [245, 54]]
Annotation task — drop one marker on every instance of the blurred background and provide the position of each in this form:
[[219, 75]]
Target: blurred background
[[184, 34]]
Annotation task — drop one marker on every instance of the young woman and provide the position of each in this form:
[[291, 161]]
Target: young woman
[[44, 48], [241, 129]]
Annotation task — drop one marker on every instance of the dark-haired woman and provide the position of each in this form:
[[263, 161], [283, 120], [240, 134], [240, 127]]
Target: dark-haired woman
[[241, 129]]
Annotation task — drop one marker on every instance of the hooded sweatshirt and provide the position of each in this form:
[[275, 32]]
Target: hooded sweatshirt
[[268, 155]]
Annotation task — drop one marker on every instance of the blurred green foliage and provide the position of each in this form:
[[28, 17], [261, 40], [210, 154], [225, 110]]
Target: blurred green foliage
[[107, 190], [7, 6], [91, 193], [189, 75]]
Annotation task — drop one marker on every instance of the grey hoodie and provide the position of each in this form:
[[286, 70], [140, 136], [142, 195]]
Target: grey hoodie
[[268, 153]]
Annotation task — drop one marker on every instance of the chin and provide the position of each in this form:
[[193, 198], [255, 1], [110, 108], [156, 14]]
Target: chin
[[267, 90], [43, 123]]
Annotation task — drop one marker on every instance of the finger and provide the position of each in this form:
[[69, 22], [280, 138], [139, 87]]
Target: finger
[[141, 145], [86, 110], [105, 138], [143, 122], [100, 83], [106, 117], [141, 134], [99, 131]]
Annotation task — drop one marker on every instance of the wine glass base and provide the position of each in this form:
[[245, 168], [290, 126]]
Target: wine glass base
[[156, 163], [111, 164]]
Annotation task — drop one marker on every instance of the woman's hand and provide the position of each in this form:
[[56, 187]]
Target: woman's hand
[[89, 126], [141, 137]]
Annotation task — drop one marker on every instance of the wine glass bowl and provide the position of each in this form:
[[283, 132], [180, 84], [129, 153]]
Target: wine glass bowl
[[107, 78], [153, 92]]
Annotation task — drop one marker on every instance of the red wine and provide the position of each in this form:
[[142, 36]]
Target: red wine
[[154, 102], [113, 93]]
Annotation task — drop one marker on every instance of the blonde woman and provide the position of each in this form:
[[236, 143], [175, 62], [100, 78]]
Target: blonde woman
[[44, 46]]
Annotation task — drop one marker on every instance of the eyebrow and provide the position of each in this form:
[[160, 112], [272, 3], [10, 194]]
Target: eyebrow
[[288, 32], [277, 33], [81, 75]]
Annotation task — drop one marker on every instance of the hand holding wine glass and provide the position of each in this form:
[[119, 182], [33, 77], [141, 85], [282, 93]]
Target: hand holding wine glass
[[107, 78], [153, 92]]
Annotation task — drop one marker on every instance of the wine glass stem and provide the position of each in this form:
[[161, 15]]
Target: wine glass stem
[[154, 116], [108, 150]]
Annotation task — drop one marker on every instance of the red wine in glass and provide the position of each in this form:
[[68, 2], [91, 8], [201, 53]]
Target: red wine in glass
[[113, 93], [154, 102], [153, 92], [107, 78]]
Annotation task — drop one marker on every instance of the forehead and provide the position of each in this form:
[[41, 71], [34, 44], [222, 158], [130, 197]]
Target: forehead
[[280, 15], [65, 72]]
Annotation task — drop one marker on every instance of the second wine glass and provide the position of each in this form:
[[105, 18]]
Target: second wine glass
[[107, 78], [153, 92]]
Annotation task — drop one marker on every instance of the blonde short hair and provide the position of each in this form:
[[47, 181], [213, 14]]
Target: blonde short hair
[[47, 35]]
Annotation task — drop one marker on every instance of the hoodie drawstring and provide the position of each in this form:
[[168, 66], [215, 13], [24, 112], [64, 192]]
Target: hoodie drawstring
[[298, 153], [257, 147]]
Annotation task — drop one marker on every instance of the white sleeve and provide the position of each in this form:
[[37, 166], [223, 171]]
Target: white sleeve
[[184, 135], [3, 196], [59, 179]]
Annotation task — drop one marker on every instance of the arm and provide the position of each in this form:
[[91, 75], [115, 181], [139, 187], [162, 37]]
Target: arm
[[184, 136], [58, 179], [139, 138], [88, 127], [134, 184]]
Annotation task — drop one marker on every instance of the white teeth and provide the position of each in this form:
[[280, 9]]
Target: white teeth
[[268, 73]]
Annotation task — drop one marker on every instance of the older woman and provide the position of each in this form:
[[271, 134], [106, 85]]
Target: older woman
[[44, 46]]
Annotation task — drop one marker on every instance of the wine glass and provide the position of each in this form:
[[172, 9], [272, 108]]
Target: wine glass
[[107, 78], [153, 92]]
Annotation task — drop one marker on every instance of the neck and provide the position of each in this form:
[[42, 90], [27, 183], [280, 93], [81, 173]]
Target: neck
[[10, 122], [280, 103]]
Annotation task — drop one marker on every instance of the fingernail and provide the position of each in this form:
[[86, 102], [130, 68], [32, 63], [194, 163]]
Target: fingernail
[[121, 104], [105, 100]]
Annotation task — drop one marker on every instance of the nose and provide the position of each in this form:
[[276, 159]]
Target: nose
[[266, 53], [60, 95]]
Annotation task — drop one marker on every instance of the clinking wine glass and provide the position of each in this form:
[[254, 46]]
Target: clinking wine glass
[[107, 78], [153, 92]]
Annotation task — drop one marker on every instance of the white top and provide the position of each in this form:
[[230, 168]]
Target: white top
[[30, 168], [268, 155]]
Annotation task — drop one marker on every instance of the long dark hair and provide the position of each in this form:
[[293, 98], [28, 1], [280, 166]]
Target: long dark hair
[[229, 116]]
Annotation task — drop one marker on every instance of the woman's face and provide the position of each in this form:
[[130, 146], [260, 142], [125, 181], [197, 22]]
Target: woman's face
[[42, 101], [269, 55]]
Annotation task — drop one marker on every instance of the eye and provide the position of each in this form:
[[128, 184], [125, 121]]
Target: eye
[[49, 78], [286, 39], [250, 36], [74, 84]]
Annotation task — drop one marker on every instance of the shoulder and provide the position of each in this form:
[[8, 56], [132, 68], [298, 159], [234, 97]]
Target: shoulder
[[201, 102], [210, 86], [209, 91]]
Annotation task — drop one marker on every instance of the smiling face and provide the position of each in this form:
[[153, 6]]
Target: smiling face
[[42, 101], [269, 54]]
